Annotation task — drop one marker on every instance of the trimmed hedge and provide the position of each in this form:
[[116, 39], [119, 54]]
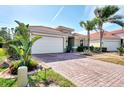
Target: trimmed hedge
[[92, 48]]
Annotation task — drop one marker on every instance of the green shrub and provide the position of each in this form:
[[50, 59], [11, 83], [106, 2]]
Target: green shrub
[[80, 49], [120, 50], [92, 49], [16, 64], [12, 52], [97, 49], [104, 49], [32, 65], [1, 44], [3, 52]]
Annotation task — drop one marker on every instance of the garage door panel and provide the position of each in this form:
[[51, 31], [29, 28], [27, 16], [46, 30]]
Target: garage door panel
[[111, 45], [48, 45]]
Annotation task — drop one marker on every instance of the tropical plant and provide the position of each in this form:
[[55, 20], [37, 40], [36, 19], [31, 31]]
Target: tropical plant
[[121, 50], [89, 25], [32, 65], [107, 14], [24, 48]]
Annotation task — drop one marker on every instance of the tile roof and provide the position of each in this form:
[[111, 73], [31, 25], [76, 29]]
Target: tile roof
[[64, 28], [117, 31], [49, 30], [44, 29], [107, 35]]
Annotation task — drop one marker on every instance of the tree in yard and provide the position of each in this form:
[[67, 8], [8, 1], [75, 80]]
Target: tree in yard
[[107, 14], [2, 39], [89, 25], [4, 33], [23, 37]]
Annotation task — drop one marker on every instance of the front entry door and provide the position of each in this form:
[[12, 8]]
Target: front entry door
[[70, 43]]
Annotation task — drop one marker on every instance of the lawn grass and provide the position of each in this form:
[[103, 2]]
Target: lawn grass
[[7, 82], [110, 57], [51, 76]]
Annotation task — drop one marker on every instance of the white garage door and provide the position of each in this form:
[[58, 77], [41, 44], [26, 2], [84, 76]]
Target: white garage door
[[111, 45], [48, 45]]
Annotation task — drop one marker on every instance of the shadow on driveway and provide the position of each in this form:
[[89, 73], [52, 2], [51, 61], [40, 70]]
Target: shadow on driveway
[[58, 57]]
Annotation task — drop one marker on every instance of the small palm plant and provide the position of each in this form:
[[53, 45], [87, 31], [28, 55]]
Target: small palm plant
[[23, 37], [89, 25]]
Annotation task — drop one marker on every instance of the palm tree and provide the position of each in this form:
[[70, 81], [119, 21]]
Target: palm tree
[[107, 14], [89, 25], [23, 37]]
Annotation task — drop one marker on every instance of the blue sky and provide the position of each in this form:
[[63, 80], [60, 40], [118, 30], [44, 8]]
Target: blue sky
[[52, 16]]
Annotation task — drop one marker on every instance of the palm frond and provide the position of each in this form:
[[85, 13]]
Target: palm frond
[[109, 10], [82, 24], [15, 48], [35, 39], [116, 17], [118, 22], [97, 12], [89, 25], [18, 22], [106, 11]]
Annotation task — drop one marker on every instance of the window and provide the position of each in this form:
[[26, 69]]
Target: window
[[122, 41]]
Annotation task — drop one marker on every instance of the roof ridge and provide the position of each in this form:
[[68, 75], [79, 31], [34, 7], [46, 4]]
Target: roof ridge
[[45, 27]]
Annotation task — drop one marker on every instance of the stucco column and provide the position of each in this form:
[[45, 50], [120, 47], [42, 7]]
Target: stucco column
[[22, 79]]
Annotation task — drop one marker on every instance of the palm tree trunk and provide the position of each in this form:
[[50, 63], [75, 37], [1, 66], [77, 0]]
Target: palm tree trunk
[[101, 38], [88, 44]]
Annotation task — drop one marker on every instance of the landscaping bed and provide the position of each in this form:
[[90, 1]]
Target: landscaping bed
[[38, 79], [51, 78]]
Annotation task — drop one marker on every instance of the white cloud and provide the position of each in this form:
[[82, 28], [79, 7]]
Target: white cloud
[[57, 14]]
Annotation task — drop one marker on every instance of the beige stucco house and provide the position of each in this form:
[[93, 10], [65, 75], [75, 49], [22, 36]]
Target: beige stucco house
[[55, 40]]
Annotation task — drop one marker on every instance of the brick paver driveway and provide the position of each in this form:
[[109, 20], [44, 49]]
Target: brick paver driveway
[[87, 72]]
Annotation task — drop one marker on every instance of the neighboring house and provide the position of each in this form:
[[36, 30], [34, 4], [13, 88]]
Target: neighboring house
[[112, 40], [55, 40]]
